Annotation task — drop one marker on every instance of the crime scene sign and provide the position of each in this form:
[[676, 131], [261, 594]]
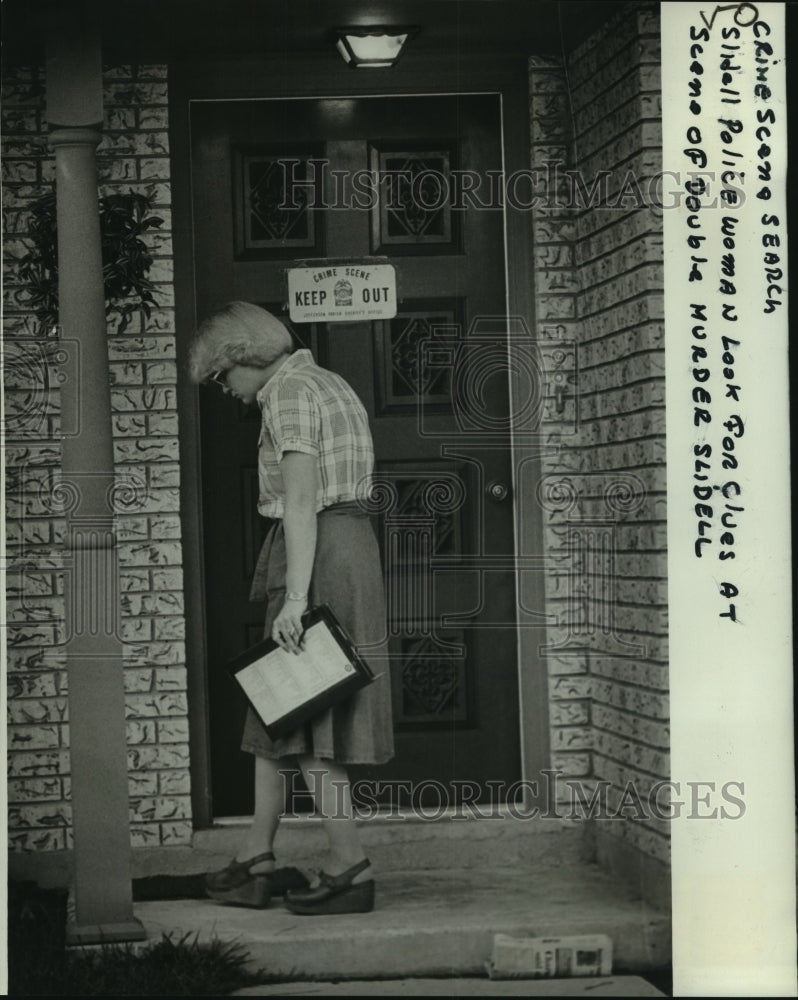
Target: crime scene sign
[[340, 292]]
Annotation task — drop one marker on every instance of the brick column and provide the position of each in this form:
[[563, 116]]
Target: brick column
[[133, 155]]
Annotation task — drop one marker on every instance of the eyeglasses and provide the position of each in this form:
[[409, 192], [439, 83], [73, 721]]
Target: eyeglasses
[[219, 377]]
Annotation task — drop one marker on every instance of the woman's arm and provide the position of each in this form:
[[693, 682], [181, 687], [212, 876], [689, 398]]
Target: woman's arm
[[300, 477]]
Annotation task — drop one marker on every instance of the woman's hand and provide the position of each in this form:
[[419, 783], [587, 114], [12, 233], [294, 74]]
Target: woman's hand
[[287, 629]]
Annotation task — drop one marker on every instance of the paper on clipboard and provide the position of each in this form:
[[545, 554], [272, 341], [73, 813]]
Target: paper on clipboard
[[278, 682], [288, 689]]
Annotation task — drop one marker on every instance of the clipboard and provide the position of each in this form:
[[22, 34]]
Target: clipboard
[[287, 689]]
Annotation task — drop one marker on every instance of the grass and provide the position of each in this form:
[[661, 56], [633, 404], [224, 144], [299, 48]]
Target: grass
[[39, 964]]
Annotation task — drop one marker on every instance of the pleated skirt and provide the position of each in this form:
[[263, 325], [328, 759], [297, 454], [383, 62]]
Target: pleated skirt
[[347, 576]]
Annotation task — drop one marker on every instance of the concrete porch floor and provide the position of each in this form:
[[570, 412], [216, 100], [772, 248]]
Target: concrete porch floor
[[435, 923]]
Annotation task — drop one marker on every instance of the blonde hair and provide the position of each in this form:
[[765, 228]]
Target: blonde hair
[[240, 333]]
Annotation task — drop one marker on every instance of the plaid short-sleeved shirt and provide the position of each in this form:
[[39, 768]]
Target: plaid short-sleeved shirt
[[309, 409]]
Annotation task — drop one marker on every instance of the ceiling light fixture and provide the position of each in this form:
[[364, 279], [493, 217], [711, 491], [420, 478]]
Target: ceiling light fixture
[[373, 47]]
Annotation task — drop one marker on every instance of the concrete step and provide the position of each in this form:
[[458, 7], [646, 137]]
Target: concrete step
[[438, 923], [399, 842], [604, 986]]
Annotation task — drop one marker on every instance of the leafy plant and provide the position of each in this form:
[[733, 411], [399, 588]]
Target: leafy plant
[[39, 964], [182, 967], [126, 260]]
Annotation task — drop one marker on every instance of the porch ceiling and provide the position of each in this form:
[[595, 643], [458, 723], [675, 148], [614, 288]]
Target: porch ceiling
[[159, 30]]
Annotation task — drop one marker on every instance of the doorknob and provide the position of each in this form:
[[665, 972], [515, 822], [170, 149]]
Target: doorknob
[[497, 491]]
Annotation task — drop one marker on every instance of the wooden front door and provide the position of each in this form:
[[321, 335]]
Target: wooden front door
[[280, 181]]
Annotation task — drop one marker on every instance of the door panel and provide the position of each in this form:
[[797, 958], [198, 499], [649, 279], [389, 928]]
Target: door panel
[[434, 384]]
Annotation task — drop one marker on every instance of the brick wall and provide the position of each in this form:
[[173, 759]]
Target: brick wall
[[599, 282], [133, 156]]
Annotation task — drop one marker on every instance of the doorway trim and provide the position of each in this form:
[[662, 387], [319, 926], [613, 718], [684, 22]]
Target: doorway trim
[[255, 79]]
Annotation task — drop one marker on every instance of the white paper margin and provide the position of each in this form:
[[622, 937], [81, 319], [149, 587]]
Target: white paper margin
[[731, 682]]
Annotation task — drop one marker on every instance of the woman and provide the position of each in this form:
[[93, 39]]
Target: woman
[[315, 454]]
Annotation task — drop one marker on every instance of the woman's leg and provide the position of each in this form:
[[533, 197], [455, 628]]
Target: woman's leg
[[269, 804], [329, 785]]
